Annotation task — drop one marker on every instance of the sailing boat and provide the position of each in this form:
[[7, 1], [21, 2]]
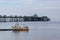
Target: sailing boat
[[16, 27]]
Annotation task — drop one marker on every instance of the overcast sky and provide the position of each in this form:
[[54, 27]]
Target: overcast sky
[[50, 8]]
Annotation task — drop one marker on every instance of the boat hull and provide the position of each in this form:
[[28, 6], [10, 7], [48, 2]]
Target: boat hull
[[22, 29]]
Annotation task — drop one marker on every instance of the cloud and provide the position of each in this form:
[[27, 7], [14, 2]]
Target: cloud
[[44, 0], [46, 3], [20, 3], [29, 7]]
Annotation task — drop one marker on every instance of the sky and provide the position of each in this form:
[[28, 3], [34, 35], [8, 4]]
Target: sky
[[50, 8]]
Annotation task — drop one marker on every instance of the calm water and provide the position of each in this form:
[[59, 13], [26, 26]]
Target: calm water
[[37, 31]]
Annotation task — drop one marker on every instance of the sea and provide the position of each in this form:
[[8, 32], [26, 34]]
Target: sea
[[46, 30]]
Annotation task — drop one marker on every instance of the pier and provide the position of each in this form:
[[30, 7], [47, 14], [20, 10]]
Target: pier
[[35, 17]]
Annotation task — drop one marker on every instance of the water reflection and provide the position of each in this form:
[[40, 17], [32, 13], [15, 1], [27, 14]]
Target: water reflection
[[17, 35]]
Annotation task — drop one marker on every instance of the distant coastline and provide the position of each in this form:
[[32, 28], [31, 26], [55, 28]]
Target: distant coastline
[[24, 18]]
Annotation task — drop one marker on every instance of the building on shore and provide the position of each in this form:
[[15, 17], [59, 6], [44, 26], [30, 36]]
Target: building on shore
[[24, 18]]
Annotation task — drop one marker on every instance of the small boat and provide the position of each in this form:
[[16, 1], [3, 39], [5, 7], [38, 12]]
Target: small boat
[[18, 28]]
